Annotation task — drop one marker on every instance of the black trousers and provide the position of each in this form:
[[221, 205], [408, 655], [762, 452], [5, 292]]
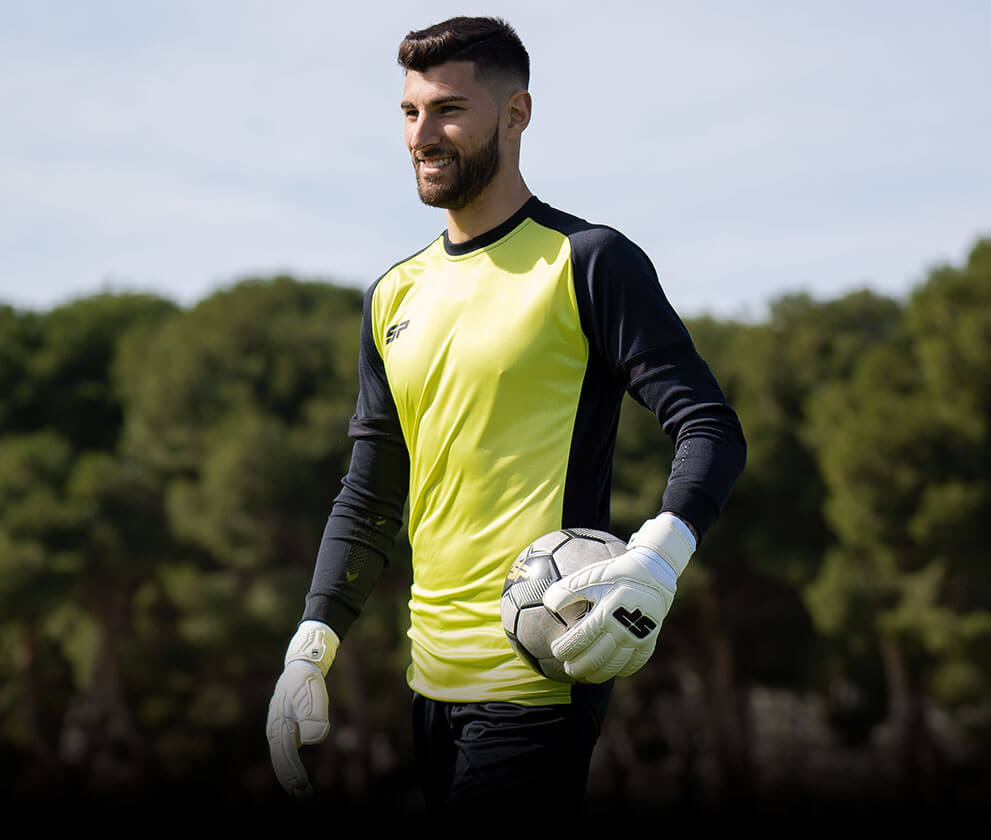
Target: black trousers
[[472, 755]]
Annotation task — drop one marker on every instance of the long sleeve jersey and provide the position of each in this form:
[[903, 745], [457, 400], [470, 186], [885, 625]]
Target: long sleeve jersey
[[491, 376]]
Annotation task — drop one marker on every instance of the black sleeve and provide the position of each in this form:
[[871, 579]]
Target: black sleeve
[[646, 347], [368, 512]]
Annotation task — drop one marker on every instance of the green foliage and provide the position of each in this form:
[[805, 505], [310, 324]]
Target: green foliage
[[20, 337], [37, 523], [902, 443], [284, 348]]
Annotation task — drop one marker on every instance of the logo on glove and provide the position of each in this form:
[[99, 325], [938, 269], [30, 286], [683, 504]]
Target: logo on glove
[[636, 622]]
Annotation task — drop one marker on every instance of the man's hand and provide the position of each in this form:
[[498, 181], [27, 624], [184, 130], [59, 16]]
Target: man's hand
[[298, 712], [630, 596]]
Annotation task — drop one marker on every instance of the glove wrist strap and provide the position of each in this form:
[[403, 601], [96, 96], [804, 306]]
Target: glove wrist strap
[[314, 642], [668, 536]]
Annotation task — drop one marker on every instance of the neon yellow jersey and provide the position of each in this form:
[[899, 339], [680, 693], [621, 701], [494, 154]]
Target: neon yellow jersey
[[487, 414], [491, 378]]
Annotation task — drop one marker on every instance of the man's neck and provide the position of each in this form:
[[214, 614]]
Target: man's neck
[[490, 210]]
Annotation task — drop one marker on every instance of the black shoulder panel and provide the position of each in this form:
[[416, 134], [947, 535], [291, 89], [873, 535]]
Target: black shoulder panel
[[638, 344]]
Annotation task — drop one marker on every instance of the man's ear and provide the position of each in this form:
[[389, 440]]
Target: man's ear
[[517, 113]]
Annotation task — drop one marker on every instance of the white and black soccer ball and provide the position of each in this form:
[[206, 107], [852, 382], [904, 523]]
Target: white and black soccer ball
[[529, 625]]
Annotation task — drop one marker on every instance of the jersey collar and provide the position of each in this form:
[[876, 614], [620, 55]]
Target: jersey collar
[[459, 249]]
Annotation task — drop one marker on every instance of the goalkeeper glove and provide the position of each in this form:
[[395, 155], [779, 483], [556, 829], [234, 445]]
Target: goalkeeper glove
[[298, 712], [630, 596]]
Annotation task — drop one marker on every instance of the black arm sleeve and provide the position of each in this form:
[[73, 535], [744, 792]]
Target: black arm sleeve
[[368, 512], [644, 344]]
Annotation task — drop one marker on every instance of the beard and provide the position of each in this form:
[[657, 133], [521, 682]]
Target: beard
[[471, 175]]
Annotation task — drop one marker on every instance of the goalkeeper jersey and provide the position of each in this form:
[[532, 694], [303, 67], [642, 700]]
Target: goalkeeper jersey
[[491, 375]]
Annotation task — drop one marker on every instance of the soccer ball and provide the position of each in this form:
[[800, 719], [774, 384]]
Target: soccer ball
[[529, 625]]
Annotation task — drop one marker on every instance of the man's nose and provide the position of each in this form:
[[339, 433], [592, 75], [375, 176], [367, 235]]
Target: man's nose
[[423, 133]]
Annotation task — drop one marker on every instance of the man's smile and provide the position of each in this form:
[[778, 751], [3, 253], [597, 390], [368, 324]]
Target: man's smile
[[434, 165]]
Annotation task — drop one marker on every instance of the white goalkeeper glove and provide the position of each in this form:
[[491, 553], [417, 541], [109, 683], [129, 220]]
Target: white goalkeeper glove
[[298, 712], [630, 597]]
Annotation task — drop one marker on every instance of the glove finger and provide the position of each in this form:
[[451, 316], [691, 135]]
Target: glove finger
[[283, 745], [593, 658], [313, 731], [577, 638], [558, 595], [637, 661], [613, 666]]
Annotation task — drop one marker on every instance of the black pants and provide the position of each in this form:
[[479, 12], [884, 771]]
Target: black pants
[[471, 755]]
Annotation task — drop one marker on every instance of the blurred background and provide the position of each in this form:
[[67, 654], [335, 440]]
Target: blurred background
[[195, 197]]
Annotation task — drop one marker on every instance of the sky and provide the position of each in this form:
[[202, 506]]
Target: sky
[[753, 149]]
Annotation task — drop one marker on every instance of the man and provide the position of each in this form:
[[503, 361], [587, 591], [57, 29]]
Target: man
[[492, 368]]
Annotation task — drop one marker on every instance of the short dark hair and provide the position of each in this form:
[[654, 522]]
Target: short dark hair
[[490, 43]]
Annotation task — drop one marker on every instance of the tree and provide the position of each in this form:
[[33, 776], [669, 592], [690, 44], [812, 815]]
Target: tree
[[903, 445], [241, 406], [36, 572], [72, 524]]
